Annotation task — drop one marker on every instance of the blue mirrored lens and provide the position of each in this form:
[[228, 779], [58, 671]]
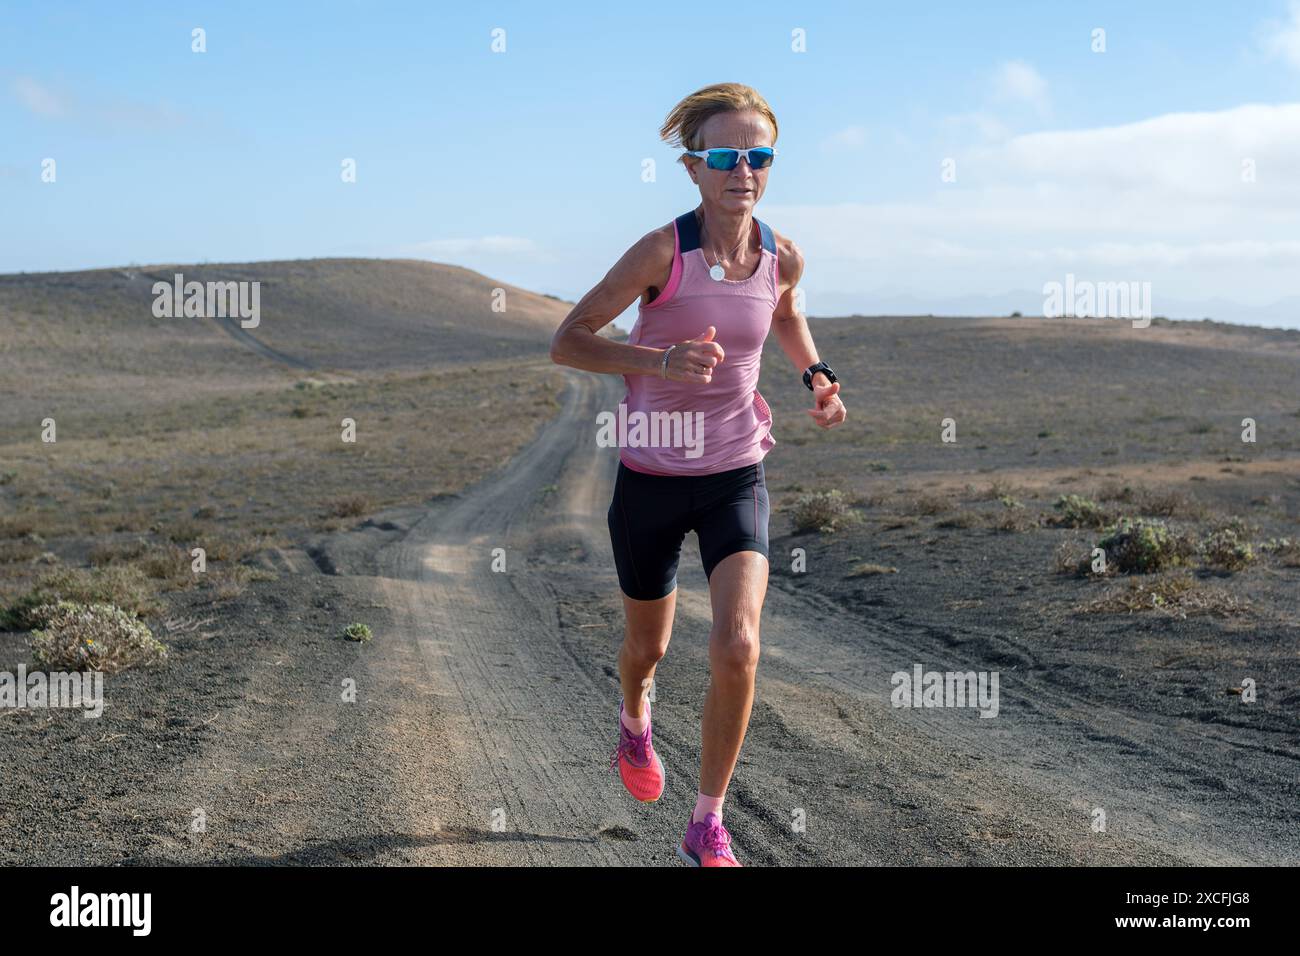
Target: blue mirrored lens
[[723, 158], [760, 157]]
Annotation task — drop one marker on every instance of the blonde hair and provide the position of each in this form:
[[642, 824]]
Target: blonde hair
[[682, 127]]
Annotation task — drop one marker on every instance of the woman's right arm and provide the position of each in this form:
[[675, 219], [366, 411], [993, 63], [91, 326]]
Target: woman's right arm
[[576, 343]]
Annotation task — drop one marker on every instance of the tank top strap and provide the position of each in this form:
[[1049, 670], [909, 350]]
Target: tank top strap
[[688, 232]]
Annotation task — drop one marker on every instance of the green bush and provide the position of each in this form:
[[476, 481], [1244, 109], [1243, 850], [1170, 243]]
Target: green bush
[[358, 632], [1079, 512], [1225, 549], [97, 637], [1142, 547]]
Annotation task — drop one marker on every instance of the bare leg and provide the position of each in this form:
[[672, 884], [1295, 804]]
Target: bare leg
[[737, 588], [645, 640]]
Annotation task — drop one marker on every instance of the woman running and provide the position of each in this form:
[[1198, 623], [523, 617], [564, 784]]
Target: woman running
[[711, 284]]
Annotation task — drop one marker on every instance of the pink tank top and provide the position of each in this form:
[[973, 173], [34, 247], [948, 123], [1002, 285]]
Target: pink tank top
[[680, 428]]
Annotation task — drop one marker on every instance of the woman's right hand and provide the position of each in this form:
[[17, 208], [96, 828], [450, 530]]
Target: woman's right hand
[[695, 359]]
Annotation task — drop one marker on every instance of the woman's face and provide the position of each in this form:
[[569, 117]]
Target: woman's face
[[734, 190]]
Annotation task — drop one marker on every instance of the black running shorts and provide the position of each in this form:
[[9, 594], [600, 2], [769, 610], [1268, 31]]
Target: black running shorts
[[650, 515]]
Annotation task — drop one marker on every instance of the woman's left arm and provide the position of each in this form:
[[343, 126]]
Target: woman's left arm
[[791, 329]]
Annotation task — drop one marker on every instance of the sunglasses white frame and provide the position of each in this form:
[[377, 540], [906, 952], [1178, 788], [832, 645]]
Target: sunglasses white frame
[[704, 155]]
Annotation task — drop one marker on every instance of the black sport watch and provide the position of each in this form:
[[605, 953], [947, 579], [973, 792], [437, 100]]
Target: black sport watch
[[813, 370]]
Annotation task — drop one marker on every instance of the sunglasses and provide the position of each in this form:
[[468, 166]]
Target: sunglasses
[[725, 157]]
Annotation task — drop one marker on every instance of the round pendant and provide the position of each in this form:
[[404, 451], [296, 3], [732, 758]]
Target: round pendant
[[717, 273]]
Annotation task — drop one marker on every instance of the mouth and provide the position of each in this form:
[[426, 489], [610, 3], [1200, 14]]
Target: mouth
[[742, 192]]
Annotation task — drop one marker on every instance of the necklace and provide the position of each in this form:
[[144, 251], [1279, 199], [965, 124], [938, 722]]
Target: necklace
[[716, 272]]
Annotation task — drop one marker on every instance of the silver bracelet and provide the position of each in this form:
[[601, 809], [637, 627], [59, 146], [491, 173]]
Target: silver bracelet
[[663, 369]]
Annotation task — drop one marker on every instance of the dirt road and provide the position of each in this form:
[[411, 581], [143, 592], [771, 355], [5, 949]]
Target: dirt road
[[516, 702]]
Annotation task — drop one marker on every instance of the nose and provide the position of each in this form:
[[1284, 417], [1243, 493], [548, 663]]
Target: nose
[[742, 174]]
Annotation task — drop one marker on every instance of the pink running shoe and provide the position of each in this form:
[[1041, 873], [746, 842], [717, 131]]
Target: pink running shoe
[[638, 764], [707, 843]]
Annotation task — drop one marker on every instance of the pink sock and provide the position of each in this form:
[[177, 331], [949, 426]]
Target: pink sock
[[637, 725], [704, 805]]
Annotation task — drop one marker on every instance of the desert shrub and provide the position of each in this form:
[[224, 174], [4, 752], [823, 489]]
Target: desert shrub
[[1178, 595], [1157, 504], [927, 504], [1076, 511], [351, 506], [1168, 504], [1000, 489], [1224, 548], [821, 511], [1285, 551], [121, 585], [1143, 547], [1113, 491], [1072, 557], [97, 637], [358, 632]]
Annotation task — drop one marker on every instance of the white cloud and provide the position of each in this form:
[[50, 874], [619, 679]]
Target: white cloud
[[1018, 82], [1162, 199], [1283, 39], [96, 111], [37, 98]]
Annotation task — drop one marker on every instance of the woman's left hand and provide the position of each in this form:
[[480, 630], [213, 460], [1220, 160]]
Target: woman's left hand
[[830, 411]]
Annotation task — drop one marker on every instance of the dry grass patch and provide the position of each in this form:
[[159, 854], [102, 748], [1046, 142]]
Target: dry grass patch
[[1178, 595], [866, 570], [824, 511], [121, 585]]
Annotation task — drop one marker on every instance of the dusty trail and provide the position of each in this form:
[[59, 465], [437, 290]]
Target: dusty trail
[[515, 682]]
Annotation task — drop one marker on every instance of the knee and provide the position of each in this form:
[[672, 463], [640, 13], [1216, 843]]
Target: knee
[[733, 649], [645, 650]]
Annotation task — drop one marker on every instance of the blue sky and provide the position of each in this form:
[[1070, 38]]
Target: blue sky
[[526, 165]]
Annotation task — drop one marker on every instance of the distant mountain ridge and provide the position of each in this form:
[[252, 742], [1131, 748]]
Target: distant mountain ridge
[[1284, 313]]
